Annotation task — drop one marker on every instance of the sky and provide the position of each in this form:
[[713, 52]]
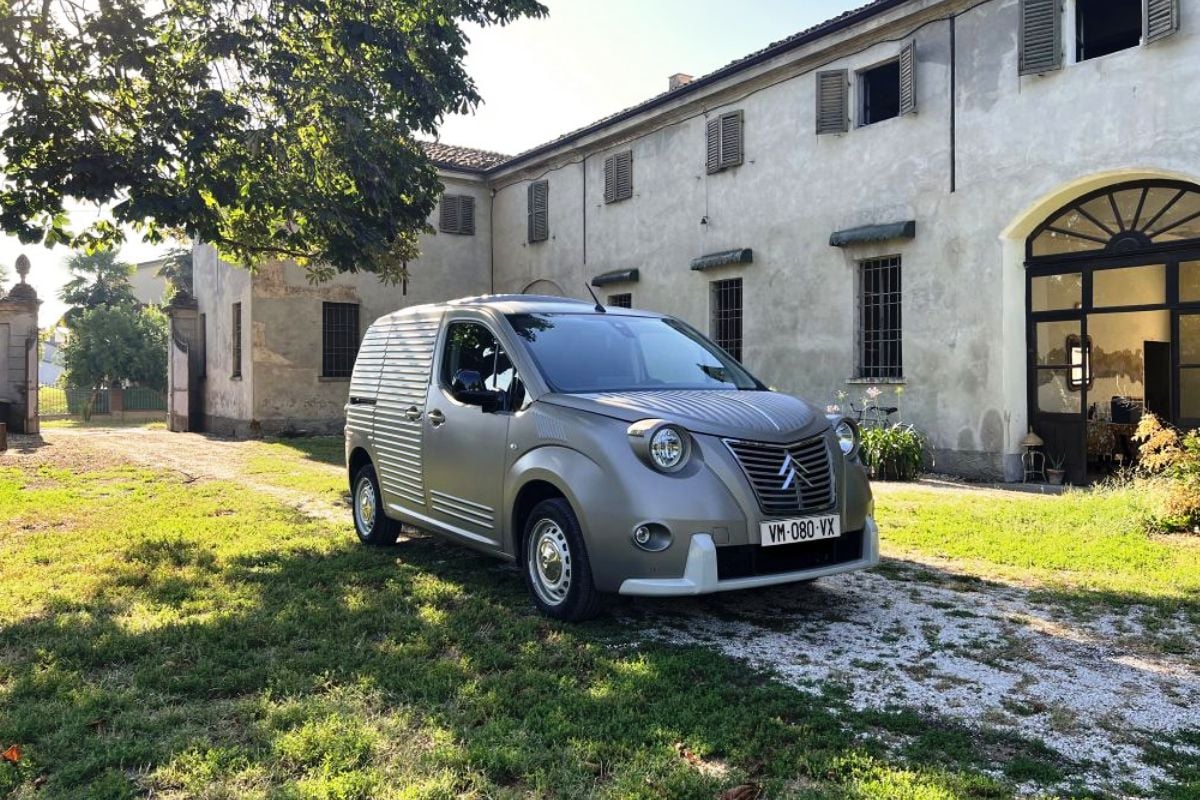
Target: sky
[[544, 77]]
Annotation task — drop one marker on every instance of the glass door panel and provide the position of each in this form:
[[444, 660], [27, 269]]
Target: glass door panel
[[1189, 369], [1189, 281], [1129, 286], [1130, 365]]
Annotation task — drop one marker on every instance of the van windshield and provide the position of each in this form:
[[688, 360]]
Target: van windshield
[[579, 353]]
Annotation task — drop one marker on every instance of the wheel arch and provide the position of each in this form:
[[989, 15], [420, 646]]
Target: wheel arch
[[359, 458]]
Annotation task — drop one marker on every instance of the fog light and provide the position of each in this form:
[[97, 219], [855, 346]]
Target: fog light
[[652, 537]]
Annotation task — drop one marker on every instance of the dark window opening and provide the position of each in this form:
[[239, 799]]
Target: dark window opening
[[237, 341], [727, 316], [339, 339], [1106, 26], [880, 89], [879, 335], [621, 300]]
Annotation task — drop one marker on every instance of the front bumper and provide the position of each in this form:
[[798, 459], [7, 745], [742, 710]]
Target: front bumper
[[700, 571]]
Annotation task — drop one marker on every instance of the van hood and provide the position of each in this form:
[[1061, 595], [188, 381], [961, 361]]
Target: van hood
[[754, 415]]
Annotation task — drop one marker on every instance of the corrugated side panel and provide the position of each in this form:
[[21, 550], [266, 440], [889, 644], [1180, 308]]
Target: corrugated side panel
[[364, 381], [403, 386]]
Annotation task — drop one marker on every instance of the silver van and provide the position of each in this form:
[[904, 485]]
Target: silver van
[[605, 450]]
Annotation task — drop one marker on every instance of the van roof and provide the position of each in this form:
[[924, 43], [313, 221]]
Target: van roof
[[519, 304]]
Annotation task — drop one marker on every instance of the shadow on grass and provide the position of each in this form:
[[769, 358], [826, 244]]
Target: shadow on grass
[[356, 671], [323, 449]]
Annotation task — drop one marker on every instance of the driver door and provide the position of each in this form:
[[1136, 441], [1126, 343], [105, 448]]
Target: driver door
[[464, 444]]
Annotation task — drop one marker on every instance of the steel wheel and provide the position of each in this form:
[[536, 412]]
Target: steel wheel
[[549, 562], [364, 504]]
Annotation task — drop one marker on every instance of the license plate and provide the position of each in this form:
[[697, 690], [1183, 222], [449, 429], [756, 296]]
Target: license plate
[[800, 529]]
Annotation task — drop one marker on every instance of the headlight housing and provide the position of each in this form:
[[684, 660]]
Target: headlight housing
[[662, 445], [846, 431]]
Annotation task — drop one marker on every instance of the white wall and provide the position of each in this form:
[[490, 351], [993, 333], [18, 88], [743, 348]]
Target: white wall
[[218, 286]]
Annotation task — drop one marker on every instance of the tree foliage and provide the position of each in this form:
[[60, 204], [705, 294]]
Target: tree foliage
[[267, 128], [98, 280], [113, 346], [176, 270]]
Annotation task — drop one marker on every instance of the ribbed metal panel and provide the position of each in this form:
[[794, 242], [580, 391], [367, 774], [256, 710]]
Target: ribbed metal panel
[[811, 489], [460, 508], [403, 387]]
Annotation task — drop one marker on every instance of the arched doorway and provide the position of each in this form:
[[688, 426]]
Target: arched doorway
[[544, 286], [1113, 320]]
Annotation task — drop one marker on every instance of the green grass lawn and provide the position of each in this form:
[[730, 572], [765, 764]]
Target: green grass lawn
[[199, 639], [1084, 546]]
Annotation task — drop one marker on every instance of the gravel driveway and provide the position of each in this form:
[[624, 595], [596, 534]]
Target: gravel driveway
[[916, 636]]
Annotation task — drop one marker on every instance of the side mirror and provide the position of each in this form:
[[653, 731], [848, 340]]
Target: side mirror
[[467, 387]]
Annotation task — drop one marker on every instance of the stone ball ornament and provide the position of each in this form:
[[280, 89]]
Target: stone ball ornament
[[22, 291]]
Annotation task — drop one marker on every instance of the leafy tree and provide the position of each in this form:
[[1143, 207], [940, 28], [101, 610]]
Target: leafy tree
[[97, 280], [177, 271], [267, 128], [113, 346]]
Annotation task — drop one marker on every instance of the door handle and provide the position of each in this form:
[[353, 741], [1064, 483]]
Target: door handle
[[436, 418], [412, 414]]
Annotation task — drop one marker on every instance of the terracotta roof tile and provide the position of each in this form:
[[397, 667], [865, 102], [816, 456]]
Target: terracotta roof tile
[[469, 158]]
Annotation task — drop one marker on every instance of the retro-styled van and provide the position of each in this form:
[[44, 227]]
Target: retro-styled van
[[604, 450]]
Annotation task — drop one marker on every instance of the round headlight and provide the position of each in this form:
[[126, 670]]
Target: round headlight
[[847, 436], [667, 448]]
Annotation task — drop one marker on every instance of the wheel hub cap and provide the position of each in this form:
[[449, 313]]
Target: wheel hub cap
[[364, 505], [550, 562]]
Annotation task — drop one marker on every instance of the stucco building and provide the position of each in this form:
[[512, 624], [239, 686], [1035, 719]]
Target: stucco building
[[992, 204]]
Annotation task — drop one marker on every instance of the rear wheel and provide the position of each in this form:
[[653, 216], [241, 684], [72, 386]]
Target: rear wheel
[[557, 570], [370, 522]]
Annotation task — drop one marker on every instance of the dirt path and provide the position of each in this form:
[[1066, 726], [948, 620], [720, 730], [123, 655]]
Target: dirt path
[[907, 636]]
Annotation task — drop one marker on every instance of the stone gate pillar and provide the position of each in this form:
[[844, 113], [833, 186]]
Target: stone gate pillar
[[19, 354]]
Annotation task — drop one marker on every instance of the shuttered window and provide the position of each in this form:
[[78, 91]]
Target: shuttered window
[[457, 214], [618, 177], [1040, 36], [908, 79], [723, 136], [1161, 19], [539, 211], [833, 101]]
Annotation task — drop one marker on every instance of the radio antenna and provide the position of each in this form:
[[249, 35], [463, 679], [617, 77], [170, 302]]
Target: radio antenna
[[599, 308]]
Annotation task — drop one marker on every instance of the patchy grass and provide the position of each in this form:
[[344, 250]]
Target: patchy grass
[[1084, 545], [167, 637], [301, 464], [136, 419]]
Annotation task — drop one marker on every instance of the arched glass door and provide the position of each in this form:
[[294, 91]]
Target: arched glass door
[[1113, 302]]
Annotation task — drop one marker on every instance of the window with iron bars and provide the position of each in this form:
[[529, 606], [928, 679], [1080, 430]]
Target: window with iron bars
[[339, 339], [236, 329], [880, 355], [726, 307], [621, 300]]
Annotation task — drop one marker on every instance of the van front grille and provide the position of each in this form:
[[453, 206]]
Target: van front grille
[[788, 479]]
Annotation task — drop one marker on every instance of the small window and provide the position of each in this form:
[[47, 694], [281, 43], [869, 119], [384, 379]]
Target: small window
[[339, 339], [539, 211], [724, 141], [236, 349], [618, 177], [879, 89], [1106, 26], [879, 332], [472, 347], [727, 315], [621, 300], [1079, 357], [457, 214]]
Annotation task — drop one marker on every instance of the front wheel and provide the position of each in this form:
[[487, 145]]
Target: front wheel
[[557, 570], [370, 522]]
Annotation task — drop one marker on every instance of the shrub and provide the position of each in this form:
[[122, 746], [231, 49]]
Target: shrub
[[895, 453], [1171, 460]]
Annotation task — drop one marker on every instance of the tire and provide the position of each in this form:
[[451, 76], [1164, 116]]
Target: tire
[[370, 522], [557, 571]]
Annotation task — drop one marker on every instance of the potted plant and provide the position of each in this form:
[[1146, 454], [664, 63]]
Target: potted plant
[[1055, 472]]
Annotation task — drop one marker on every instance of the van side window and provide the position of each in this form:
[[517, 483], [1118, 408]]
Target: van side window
[[471, 346]]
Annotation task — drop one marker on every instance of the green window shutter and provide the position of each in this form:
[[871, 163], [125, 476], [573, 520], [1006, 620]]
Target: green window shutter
[[833, 101], [1040, 36], [908, 79], [466, 219], [1160, 19], [731, 139], [610, 179], [623, 167], [539, 197], [448, 214], [712, 131]]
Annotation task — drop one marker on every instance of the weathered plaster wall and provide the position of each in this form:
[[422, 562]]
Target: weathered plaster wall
[[18, 325], [228, 400], [284, 330], [1018, 141]]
